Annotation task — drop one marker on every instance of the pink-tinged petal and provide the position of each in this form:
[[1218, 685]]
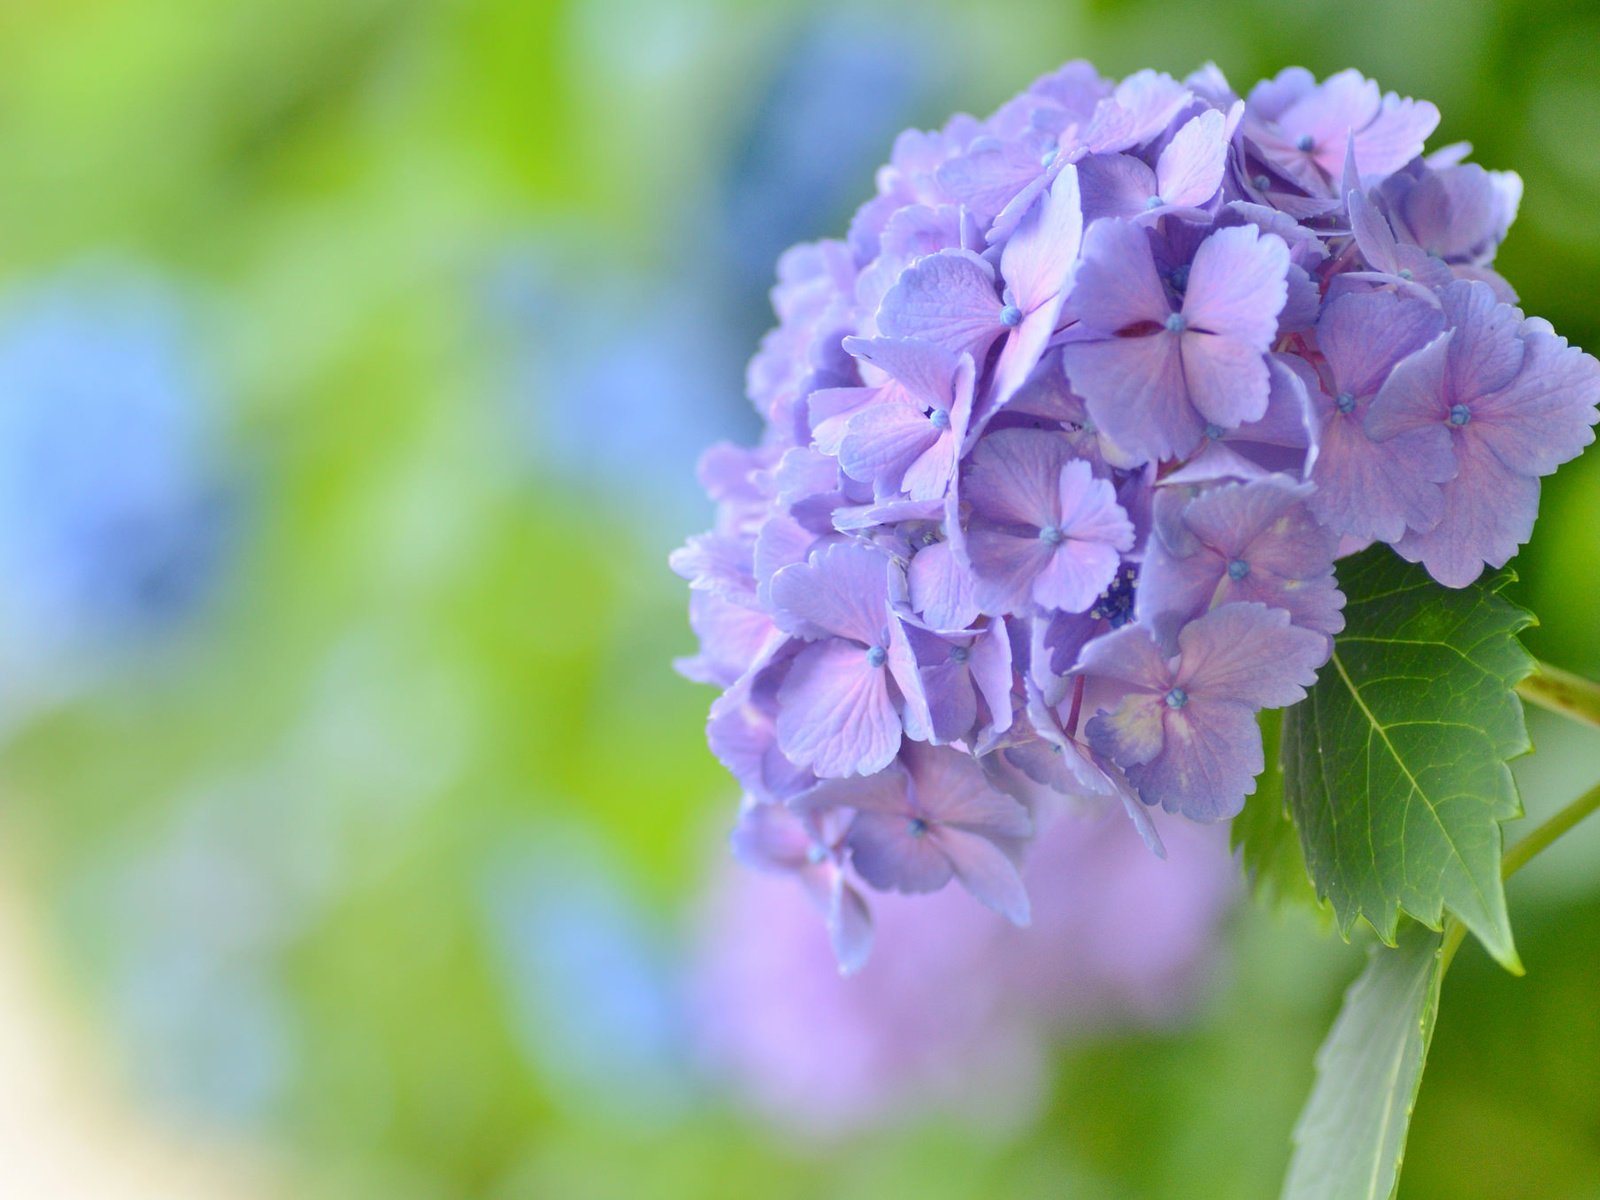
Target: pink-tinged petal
[[1364, 335], [889, 853], [1228, 379], [1237, 285], [1075, 575], [1115, 185], [1190, 169], [1014, 476], [1133, 733], [1089, 510], [915, 716], [925, 373], [1038, 260], [1412, 398], [950, 788], [1208, 763], [835, 714], [1148, 834], [989, 174], [1486, 353], [781, 542], [986, 872], [1004, 566], [884, 440], [1136, 394], [1374, 237], [1396, 136], [1488, 512], [1250, 654], [769, 837], [829, 412], [1116, 284], [1175, 588], [843, 591], [941, 589], [1126, 655], [1328, 113], [1378, 490], [1546, 415], [949, 299], [1136, 112]]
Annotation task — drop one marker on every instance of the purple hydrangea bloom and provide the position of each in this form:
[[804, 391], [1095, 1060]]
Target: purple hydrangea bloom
[[1061, 445]]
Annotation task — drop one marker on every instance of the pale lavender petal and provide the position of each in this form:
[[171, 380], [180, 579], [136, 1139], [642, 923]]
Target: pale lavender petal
[[1115, 185], [952, 702], [1228, 379], [1486, 353], [834, 712], [1413, 397], [1004, 566], [1396, 136], [1088, 509], [1075, 575], [849, 927], [1190, 169], [1038, 260], [941, 589], [925, 372], [992, 674], [1014, 477], [1126, 655], [1250, 654], [842, 591], [949, 787], [883, 792], [949, 299], [1132, 733], [1236, 286], [884, 440], [1378, 490]]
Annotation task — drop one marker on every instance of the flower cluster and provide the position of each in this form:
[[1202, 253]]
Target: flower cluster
[[1061, 444]]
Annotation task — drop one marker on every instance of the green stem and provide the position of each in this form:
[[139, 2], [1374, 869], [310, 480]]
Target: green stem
[[1524, 852], [1562, 692]]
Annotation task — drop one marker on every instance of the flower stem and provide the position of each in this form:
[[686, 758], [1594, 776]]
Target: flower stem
[[1524, 852], [1562, 692]]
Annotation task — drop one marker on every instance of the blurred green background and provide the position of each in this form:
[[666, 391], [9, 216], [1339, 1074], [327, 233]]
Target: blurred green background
[[459, 289]]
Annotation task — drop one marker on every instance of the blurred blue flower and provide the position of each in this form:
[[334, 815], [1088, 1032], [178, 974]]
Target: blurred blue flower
[[113, 516], [598, 1006]]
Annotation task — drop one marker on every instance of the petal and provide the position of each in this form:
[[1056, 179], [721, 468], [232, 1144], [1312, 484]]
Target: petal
[[1237, 285], [1014, 477], [882, 441], [1228, 380], [992, 674], [1488, 512], [843, 590], [1371, 489], [888, 855], [941, 589], [1133, 732], [1486, 353], [1364, 335], [1545, 416], [952, 702], [986, 872], [1396, 136], [1115, 185], [952, 789], [1116, 285], [834, 712], [1004, 566], [1412, 397], [1126, 655], [1039, 258], [1136, 394], [948, 299], [849, 927], [1089, 511], [1190, 169], [1208, 763], [1075, 575], [1249, 654]]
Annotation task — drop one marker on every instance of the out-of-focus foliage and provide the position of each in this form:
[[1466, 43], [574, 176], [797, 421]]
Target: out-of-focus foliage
[[344, 867]]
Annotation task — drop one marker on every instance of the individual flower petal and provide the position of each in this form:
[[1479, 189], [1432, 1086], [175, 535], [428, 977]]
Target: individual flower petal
[[835, 713], [843, 591], [950, 299]]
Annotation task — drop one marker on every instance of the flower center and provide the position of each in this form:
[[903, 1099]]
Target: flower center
[[1049, 157], [1176, 323], [1177, 698], [1262, 183], [1051, 535], [1460, 414], [1304, 142], [940, 418], [877, 656], [1238, 569], [1011, 316], [916, 827], [1154, 202], [1346, 403], [959, 654], [1214, 431]]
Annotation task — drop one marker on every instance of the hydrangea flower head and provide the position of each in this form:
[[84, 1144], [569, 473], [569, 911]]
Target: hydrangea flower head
[[1062, 442]]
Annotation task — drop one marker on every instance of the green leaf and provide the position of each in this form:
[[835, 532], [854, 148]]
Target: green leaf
[[1264, 832], [1352, 1134], [1395, 763]]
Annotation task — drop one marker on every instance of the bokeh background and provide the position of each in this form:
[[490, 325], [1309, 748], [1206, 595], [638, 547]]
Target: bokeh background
[[356, 838]]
